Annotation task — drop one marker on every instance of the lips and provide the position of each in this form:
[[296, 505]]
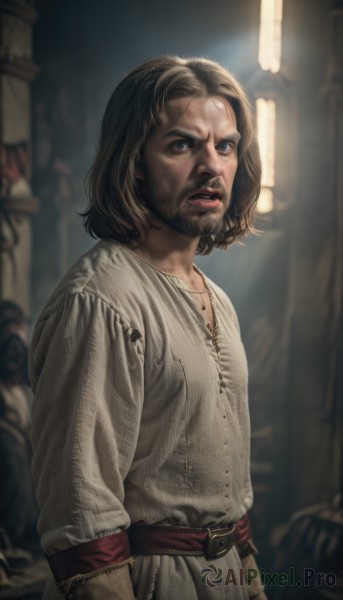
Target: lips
[[205, 198], [206, 194]]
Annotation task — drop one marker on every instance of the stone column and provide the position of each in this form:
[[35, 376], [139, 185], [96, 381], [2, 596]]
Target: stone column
[[17, 203]]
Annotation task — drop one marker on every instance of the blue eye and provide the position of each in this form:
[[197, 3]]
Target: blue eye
[[225, 147], [180, 145]]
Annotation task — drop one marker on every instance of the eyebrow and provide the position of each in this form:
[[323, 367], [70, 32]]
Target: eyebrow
[[235, 136]]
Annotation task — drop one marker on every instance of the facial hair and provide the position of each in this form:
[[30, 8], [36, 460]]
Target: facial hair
[[166, 210]]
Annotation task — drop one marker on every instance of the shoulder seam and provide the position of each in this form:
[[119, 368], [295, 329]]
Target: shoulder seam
[[83, 292]]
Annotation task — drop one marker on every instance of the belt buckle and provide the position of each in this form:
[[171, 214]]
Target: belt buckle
[[219, 541]]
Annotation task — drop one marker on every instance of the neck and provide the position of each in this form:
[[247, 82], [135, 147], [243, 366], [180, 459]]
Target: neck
[[169, 251]]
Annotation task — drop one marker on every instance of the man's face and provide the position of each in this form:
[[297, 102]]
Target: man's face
[[14, 354], [189, 164]]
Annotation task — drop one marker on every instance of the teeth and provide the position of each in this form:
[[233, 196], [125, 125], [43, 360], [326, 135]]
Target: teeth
[[204, 196]]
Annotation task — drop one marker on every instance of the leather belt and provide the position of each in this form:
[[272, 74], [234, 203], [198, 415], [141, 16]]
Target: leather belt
[[115, 548], [167, 539]]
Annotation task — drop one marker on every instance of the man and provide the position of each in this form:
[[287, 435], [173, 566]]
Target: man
[[140, 421]]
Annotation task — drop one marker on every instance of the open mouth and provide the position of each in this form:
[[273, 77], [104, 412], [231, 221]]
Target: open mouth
[[205, 196], [205, 199]]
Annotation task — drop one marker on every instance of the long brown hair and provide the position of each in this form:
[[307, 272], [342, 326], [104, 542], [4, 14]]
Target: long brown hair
[[114, 209]]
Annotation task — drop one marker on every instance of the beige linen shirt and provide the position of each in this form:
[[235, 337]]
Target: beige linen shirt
[[137, 415]]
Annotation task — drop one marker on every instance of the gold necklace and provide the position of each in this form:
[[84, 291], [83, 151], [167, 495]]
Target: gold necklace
[[204, 291], [213, 330], [202, 306], [148, 263]]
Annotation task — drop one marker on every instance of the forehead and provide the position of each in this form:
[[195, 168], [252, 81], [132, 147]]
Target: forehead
[[19, 329], [198, 113]]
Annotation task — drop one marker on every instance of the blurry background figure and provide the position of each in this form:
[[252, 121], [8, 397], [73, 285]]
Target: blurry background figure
[[18, 510]]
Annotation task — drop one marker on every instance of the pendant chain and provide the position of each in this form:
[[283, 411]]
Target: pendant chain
[[200, 305]]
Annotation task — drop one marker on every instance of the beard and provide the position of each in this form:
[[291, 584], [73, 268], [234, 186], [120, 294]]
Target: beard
[[195, 226], [168, 210]]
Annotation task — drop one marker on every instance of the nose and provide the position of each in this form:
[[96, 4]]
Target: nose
[[209, 163]]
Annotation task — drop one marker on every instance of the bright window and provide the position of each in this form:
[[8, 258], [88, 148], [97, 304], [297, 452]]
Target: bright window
[[266, 114], [269, 54]]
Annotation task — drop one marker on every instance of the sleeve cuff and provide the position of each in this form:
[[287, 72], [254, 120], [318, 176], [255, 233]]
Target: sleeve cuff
[[114, 582], [90, 558]]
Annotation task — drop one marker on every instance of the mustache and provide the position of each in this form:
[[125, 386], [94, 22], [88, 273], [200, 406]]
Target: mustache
[[215, 184]]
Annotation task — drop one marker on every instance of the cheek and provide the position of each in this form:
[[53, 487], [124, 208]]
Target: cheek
[[174, 170]]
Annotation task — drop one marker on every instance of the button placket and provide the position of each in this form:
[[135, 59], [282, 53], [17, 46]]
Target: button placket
[[226, 484]]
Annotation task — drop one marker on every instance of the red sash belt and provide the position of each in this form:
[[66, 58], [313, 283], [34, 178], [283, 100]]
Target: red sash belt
[[243, 532], [166, 539], [147, 539], [90, 556]]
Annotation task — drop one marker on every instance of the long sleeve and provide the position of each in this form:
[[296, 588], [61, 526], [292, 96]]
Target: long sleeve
[[116, 333], [87, 377]]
